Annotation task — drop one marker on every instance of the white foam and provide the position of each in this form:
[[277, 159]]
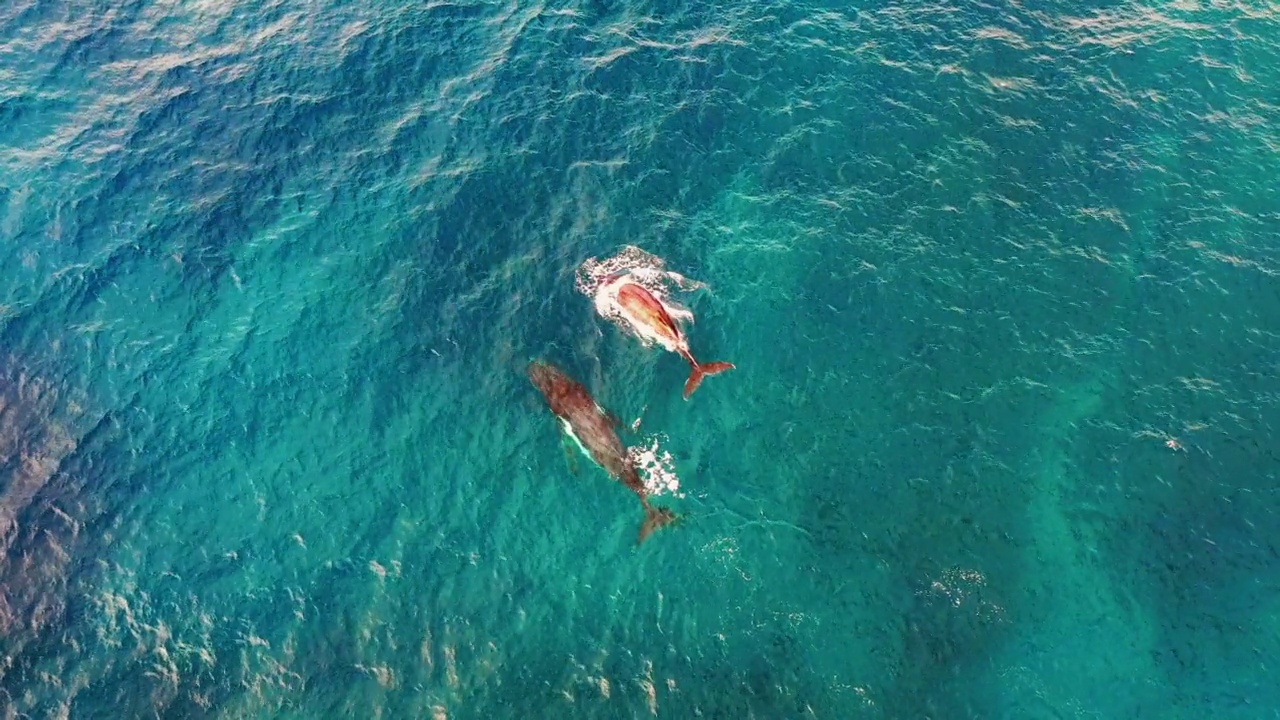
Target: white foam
[[656, 466]]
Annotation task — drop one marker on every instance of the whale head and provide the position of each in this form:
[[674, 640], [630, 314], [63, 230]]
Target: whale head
[[546, 377]]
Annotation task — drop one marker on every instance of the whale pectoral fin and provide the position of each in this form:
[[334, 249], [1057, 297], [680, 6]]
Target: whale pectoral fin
[[570, 457]]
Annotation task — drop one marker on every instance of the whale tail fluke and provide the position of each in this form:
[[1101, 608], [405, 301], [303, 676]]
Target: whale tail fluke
[[701, 371], [654, 518]]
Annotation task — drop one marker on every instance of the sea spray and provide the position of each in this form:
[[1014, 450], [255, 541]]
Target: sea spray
[[656, 467]]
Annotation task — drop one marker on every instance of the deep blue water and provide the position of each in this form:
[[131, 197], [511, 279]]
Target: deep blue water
[[1000, 282]]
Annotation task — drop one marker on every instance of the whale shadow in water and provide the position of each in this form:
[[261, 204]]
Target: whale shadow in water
[[50, 528]]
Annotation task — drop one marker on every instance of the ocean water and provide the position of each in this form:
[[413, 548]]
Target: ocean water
[[1000, 282]]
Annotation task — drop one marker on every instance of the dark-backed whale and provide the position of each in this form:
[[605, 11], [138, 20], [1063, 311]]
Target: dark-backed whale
[[594, 429]]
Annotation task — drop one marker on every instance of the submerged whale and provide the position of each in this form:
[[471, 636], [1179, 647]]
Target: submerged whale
[[594, 429], [649, 317]]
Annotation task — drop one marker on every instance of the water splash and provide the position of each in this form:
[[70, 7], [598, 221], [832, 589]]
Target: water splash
[[964, 589], [656, 466], [601, 279]]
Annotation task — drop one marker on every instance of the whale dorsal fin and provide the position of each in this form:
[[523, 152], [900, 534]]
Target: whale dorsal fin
[[617, 422]]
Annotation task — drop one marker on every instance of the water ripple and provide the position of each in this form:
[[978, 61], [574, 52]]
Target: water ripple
[[998, 277]]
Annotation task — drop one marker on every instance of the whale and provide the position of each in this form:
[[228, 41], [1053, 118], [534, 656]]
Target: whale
[[594, 430], [650, 318]]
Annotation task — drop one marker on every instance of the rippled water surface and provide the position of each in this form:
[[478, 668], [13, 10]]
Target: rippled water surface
[[1000, 282]]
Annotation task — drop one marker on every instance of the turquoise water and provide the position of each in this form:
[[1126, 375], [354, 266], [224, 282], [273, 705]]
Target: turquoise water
[[999, 280]]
